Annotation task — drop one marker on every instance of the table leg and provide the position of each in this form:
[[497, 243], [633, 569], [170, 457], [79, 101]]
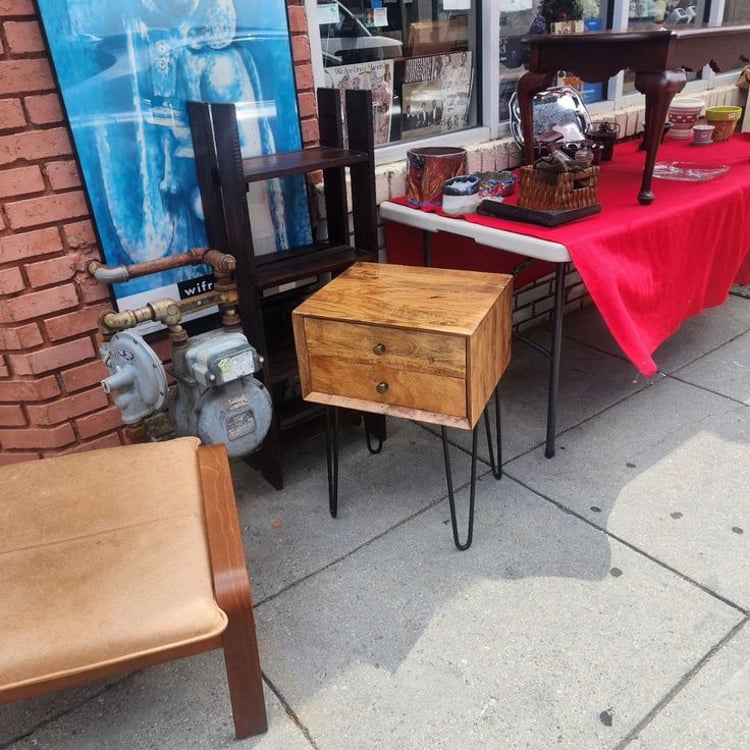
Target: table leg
[[495, 463], [659, 88], [426, 249], [332, 457], [554, 368]]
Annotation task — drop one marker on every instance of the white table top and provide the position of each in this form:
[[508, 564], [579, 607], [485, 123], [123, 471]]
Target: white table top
[[501, 239]]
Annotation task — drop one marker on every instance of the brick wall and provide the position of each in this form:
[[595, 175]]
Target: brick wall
[[50, 398]]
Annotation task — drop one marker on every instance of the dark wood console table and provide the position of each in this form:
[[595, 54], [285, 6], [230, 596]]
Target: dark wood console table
[[660, 59]]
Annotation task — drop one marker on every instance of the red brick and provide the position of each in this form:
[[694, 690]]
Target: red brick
[[307, 105], [46, 209], [44, 109], [20, 337], [310, 131], [23, 391], [11, 281], [35, 144], [15, 182], [4, 371], [92, 291], [99, 422], [17, 8], [297, 19], [12, 116], [16, 457], [23, 36], [12, 416], [82, 376], [37, 437], [74, 323], [304, 77], [67, 407], [34, 304], [52, 357], [63, 175], [33, 74], [79, 234], [112, 440], [52, 271], [24, 245], [301, 49]]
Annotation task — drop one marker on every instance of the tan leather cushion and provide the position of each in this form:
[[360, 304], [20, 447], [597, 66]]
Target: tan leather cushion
[[103, 555]]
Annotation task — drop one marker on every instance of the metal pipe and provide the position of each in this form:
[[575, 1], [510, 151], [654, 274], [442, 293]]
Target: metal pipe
[[166, 310], [221, 263]]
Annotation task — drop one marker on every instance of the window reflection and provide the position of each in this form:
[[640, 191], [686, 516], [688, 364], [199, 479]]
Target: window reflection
[[519, 18], [417, 57]]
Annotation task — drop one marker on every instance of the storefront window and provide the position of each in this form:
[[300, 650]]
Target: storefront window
[[519, 18], [417, 56]]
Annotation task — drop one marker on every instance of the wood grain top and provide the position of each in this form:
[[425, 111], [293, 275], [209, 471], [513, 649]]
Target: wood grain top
[[437, 299]]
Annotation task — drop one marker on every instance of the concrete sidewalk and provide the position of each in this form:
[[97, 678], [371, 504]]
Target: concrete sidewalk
[[603, 604]]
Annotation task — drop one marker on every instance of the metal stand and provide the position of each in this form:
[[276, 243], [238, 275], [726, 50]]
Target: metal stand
[[332, 465], [495, 464], [555, 348]]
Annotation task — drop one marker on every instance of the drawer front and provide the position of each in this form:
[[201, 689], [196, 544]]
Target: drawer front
[[390, 386], [412, 350]]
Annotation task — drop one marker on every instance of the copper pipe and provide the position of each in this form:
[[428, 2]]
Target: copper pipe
[[221, 263], [166, 310]]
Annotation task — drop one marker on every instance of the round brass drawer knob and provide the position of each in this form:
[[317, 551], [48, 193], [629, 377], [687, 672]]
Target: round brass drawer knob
[[378, 349], [381, 387]]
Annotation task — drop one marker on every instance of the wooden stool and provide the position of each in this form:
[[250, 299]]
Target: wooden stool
[[429, 344], [120, 558]]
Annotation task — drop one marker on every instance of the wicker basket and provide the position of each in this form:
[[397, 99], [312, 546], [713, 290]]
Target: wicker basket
[[551, 191]]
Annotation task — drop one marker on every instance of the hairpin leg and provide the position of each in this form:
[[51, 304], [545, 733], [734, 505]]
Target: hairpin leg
[[332, 457], [496, 461], [472, 490]]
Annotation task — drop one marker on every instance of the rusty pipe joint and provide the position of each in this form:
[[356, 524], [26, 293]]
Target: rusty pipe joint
[[221, 263], [165, 310]]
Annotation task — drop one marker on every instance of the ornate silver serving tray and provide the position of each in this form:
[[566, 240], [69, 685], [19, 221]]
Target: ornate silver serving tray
[[558, 108]]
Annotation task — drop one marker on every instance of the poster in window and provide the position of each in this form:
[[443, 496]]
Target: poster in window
[[125, 72], [376, 76], [435, 94]]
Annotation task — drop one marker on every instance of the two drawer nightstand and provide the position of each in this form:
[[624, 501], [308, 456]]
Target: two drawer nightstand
[[428, 344]]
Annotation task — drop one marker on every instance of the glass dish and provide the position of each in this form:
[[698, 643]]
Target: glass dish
[[559, 106], [688, 171]]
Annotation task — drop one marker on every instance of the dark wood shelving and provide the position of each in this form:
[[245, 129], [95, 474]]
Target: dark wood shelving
[[259, 168], [223, 177], [313, 260]]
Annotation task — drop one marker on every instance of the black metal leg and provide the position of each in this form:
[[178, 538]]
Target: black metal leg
[[472, 490], [426, 248], [554, 368], [496, 462], [332, 457], [374, 428]]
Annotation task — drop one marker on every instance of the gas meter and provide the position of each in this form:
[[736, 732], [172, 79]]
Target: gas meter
[[217, 398]]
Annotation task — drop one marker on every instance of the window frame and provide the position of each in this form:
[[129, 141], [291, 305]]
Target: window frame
[[487, 14]]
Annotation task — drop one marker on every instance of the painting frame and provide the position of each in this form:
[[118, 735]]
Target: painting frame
[[125, 74]]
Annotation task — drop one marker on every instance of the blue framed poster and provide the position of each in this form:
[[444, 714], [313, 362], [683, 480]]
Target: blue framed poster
[[125, 70]]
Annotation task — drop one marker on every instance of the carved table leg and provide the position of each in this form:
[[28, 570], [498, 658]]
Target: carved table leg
[[659, 88], [528, 85]]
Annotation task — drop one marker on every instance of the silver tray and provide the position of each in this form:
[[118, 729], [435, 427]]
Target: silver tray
[[558, 105]]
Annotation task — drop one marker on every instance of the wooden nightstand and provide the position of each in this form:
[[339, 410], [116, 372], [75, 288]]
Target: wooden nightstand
[[428, 344]]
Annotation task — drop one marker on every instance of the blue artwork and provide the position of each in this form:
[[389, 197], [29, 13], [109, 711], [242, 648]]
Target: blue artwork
[[125, 71]]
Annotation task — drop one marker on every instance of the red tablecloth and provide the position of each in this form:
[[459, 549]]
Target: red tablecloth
[[648, 268]]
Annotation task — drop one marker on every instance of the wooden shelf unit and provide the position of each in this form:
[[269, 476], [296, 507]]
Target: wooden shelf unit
[[224, 176]]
